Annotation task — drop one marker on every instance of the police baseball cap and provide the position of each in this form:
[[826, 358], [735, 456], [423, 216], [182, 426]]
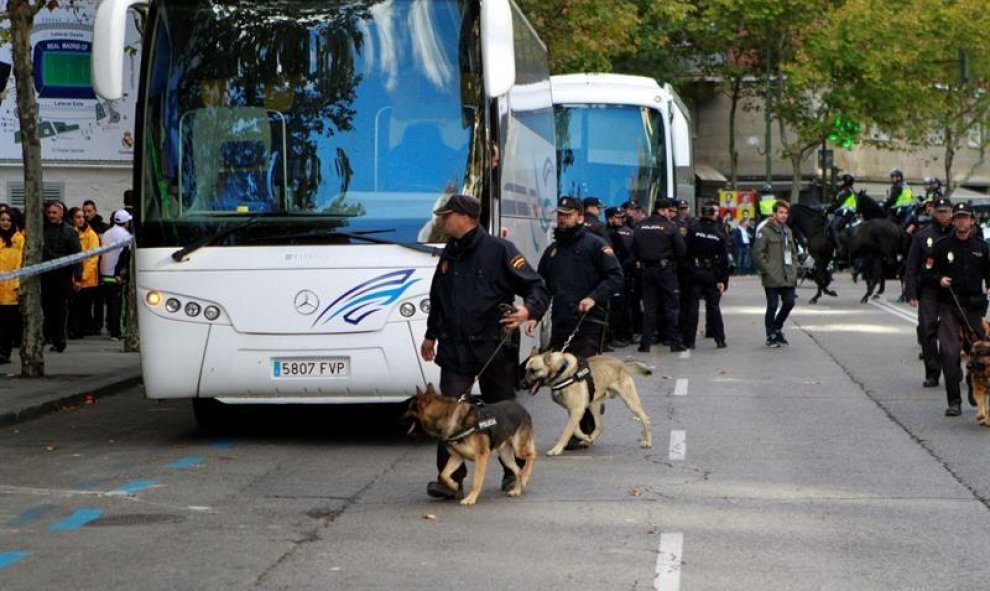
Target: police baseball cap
[[567, 204], [592, 202], [962, 209], [631, 204], [682, 204], [941, 203], [458, 203]]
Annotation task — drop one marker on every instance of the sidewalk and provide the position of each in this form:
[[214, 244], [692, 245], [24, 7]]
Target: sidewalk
[[94, 366]]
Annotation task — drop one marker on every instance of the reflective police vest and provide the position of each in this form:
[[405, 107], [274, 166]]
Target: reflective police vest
[[905, 199], [766, 205], [850, 202]]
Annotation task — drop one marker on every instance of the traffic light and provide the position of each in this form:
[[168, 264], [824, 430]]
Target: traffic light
[[844, 132]]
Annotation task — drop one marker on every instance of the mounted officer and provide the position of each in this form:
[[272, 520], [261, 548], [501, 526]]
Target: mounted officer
[[766, 201], [900, 200], [843, 210]]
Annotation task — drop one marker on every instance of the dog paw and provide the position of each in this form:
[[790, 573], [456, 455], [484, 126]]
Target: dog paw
[[645, 445], [469, 500], [515, 492], [554, 452]]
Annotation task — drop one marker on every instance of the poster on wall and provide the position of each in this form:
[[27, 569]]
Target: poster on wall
[[74, 124], [738, 204]]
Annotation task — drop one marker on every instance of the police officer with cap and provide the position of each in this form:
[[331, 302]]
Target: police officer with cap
[[634, 213], [708, 266], [592, 209], [962, 264], [921, 287], [621, 237], [658, 248], [471, 299]]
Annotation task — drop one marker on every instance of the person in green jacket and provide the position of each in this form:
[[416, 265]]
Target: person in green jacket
[[775, 256]]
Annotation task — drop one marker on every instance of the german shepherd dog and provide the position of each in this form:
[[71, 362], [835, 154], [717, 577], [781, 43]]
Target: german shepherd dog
[[978, 370], [473, 432], [610, 377]]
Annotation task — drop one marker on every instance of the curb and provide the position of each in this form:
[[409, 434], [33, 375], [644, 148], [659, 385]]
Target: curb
[[49, 406]]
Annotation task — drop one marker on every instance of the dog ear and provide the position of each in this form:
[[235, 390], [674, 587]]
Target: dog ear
[[430, 390], [534, 351]]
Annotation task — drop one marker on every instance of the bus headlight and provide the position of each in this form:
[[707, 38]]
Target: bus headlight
[[192, 309], [211, 313], [407, 309], [153, 299], [425, 306], [172, 305]]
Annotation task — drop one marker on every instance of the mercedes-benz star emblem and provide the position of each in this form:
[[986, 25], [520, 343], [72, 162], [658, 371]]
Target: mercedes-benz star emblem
[[306, 302]]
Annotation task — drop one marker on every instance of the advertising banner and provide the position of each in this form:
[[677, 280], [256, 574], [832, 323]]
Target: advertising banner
[[738, 204], [74, 124]]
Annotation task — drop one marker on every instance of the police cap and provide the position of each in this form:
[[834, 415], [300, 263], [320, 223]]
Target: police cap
[[612, 211], [942, 203], [708, 209], [592, 202], [458, 203], [631, 204], [683, 204], [568, 204], [962, 209]]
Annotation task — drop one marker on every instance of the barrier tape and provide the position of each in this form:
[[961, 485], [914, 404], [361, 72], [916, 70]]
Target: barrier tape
[[58, 263]]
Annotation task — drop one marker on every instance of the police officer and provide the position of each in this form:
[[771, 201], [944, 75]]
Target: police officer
[[634, 279], [634, 213], [962, 263], [933, 188], [621, 237], [684, 220], [658, 247], [766, 201], [844, 208], [581, 272], [900, 199], [477, 277], [921, 286], [593, 209], [708, 264]]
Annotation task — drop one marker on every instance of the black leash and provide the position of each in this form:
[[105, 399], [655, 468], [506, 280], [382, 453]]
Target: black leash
[[962, 312], [574, 332]]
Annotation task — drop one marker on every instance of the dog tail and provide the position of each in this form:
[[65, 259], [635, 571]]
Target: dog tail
[[638, 367]]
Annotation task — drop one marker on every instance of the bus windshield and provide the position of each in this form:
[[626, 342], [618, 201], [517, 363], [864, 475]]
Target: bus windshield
[[306, 114], [613, 152]]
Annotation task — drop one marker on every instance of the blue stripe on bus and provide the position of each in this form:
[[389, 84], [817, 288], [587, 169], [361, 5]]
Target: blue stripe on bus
[[185, 462], [9, 558], [134, 486], [78, 519], [31, 515]]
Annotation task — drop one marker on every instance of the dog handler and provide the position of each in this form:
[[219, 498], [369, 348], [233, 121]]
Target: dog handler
[[477, 275], [962, 262]]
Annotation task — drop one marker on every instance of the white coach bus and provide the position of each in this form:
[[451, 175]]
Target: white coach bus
[[621, 137], [288, 158]]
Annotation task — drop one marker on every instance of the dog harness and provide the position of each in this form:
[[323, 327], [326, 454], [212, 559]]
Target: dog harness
[[488, 420], [583, 374]]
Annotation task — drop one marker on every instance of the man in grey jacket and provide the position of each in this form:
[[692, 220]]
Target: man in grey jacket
[[775, 257]]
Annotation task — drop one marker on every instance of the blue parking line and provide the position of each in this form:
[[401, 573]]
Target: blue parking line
[[31, 515], [185, 462], [133, 487], [9, 558], [78, 519]]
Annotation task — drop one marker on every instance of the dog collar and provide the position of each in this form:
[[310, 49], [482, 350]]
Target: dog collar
[[583, 374]]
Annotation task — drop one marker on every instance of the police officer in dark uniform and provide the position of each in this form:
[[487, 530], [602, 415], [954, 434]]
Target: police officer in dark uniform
[[634, 280], [621, 237], [921, 286], [962, 263], [475, 282], [708, 265], [592, 209], [684, 220], [658, 247], [581, 272]]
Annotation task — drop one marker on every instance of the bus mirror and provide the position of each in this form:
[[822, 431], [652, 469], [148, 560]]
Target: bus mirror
[[498, 54], [681, 134], [108, 47]]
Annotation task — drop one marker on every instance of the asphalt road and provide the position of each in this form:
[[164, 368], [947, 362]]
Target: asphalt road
[[824, 465]]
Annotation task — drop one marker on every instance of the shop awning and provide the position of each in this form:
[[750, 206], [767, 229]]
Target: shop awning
[[707, 173]]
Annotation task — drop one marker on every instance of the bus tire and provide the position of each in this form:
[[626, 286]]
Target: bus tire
[[211, 416]]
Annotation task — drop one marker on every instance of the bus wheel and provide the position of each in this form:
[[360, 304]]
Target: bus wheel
[[211, 416]]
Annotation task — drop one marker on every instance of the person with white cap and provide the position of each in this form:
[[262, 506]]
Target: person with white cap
[[113, 272]]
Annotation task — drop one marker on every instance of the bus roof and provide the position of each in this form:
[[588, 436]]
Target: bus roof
[[619, 89]]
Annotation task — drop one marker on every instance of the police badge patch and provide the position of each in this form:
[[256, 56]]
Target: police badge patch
[[518, 262]]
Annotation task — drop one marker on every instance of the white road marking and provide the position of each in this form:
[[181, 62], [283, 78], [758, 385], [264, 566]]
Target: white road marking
[[680, 388], [685, 354], [669, 558], [895, 311], [678, 445]]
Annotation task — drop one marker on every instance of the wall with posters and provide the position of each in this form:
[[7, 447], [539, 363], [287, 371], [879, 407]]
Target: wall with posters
[[738, 204], [87, 143]]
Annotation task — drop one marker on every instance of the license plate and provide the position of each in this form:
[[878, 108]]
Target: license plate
[[323, 367]]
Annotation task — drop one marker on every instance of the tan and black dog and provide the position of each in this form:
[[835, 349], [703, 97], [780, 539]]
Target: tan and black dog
[[473, 432], [569, 379], [978, 367]]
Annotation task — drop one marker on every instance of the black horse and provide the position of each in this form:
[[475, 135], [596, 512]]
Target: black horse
[[813, 224], [876, 244]]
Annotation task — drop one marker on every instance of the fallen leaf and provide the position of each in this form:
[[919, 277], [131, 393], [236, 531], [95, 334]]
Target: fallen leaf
[[634, 491], [49, 448], [429, 517]]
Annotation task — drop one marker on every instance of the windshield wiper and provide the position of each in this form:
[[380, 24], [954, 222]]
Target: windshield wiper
[[180, 255], [364, 235]]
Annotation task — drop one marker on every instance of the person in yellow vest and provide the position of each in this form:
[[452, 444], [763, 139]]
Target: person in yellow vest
[[900, 199], [11, 254], [766, 201], [844, 208], [83, 290]]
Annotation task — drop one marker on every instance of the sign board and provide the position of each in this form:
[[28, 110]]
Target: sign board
[[737, 204], [75, 125]]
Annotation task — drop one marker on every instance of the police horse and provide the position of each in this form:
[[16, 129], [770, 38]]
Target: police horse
[[875, 244], [813, 224]]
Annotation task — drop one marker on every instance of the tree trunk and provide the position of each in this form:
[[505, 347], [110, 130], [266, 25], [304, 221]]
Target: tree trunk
[[796, 159], [950, 155], [733, 153], [32, 341]]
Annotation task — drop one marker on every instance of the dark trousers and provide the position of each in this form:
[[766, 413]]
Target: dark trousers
[[950, 342], [97, 312], [10, 323], [634, 295], [660, 292], [113, 294], [80, 311], [497, 383], [703, 285], [54, 305], [619, 326], [778, 296], [928, 331]]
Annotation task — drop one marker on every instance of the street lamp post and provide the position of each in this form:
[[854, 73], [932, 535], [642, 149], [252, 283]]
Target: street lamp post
[[767, 115]]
